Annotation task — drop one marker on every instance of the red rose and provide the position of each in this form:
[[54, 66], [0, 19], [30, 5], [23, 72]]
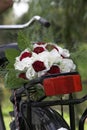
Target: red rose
[[22, 75], [25, 54], [50, 47], [38, 49], [38, 66], [53, 70]]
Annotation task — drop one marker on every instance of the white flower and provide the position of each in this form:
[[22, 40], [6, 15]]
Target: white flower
[[41, 73], [30, 73], [63, 52], [67, 65], [29, 62], [54, 57], [23, 65]]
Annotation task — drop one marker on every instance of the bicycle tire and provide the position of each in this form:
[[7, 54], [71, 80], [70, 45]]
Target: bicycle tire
[[47, 119], [44, 119]]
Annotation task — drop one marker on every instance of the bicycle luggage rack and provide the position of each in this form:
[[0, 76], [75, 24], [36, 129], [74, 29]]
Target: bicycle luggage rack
[[69, 102]]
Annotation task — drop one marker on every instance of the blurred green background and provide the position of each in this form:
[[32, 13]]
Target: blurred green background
[[68, 28]]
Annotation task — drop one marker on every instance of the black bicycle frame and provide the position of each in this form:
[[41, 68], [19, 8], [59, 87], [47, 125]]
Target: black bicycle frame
[[70, 102], [40, 103]]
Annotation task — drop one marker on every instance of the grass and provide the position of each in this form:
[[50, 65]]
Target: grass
[[6, 107]]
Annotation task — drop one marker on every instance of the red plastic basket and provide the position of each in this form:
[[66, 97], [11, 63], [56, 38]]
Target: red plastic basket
[[62, 85]]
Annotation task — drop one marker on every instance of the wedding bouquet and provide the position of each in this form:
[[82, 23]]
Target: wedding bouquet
[[41, 58]]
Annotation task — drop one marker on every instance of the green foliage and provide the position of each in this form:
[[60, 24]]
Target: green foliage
[[23, 41], [11, 75], [11, 54], [79, 56], [9, 72], [67, 18], [12, 81]]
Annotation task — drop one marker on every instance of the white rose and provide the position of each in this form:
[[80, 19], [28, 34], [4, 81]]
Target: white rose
[[23, 65], [54, 57], [41, 73], [63, 52], [67, 65], [30, 73], [17, 59]]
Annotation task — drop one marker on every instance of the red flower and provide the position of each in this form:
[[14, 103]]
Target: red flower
[[50, 47], [22, 75], [25, 54], [38, 49], [38, 66], [53, 70]]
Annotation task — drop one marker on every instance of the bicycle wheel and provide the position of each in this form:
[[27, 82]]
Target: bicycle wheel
[[48, 119], [43, 119]]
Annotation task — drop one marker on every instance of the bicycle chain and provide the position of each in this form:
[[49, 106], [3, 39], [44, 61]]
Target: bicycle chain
[[16, 111]]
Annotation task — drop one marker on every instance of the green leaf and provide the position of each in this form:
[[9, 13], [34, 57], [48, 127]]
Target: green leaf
[[12, 81], [11, 54], [23, 41], [11, 77]]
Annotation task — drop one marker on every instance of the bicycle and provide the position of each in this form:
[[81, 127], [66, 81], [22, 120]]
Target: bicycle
[[31, 114]]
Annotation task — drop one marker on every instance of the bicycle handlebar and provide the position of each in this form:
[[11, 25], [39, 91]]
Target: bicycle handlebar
[[22, 26], [44, 22]]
